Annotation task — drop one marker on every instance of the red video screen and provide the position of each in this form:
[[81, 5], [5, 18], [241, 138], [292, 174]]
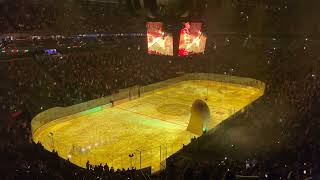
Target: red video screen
[[192, 40], [159, 42]]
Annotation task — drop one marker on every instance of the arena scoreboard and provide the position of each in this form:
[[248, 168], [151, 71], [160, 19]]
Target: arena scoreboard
[[159, 41], [191, 39]]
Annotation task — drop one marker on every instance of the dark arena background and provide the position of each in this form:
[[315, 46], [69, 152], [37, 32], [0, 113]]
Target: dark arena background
[[159, 89]]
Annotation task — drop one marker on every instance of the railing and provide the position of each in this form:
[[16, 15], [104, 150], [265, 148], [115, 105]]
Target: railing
[[133, 92], [154, 157]]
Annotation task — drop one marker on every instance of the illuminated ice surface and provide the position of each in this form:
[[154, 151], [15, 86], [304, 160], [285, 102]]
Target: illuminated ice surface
[[151, 127]]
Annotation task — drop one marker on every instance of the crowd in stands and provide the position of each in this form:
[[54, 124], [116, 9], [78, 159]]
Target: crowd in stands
[[64, 17], [46, 81], [47, 16], [26, 16]]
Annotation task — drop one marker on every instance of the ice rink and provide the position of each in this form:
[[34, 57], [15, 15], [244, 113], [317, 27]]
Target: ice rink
[[151, 127]]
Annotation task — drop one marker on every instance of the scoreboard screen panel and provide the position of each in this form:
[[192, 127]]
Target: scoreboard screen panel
[[159, 42], [192, 40]]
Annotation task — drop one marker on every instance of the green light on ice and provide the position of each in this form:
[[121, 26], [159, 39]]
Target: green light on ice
[[93, 110]]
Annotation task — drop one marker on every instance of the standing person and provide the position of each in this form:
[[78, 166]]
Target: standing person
[[111, 101], [88, 165], [139, 91]]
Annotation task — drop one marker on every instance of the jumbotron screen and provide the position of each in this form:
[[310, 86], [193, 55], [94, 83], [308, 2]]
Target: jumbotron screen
[[159, 42], [192, 40]]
